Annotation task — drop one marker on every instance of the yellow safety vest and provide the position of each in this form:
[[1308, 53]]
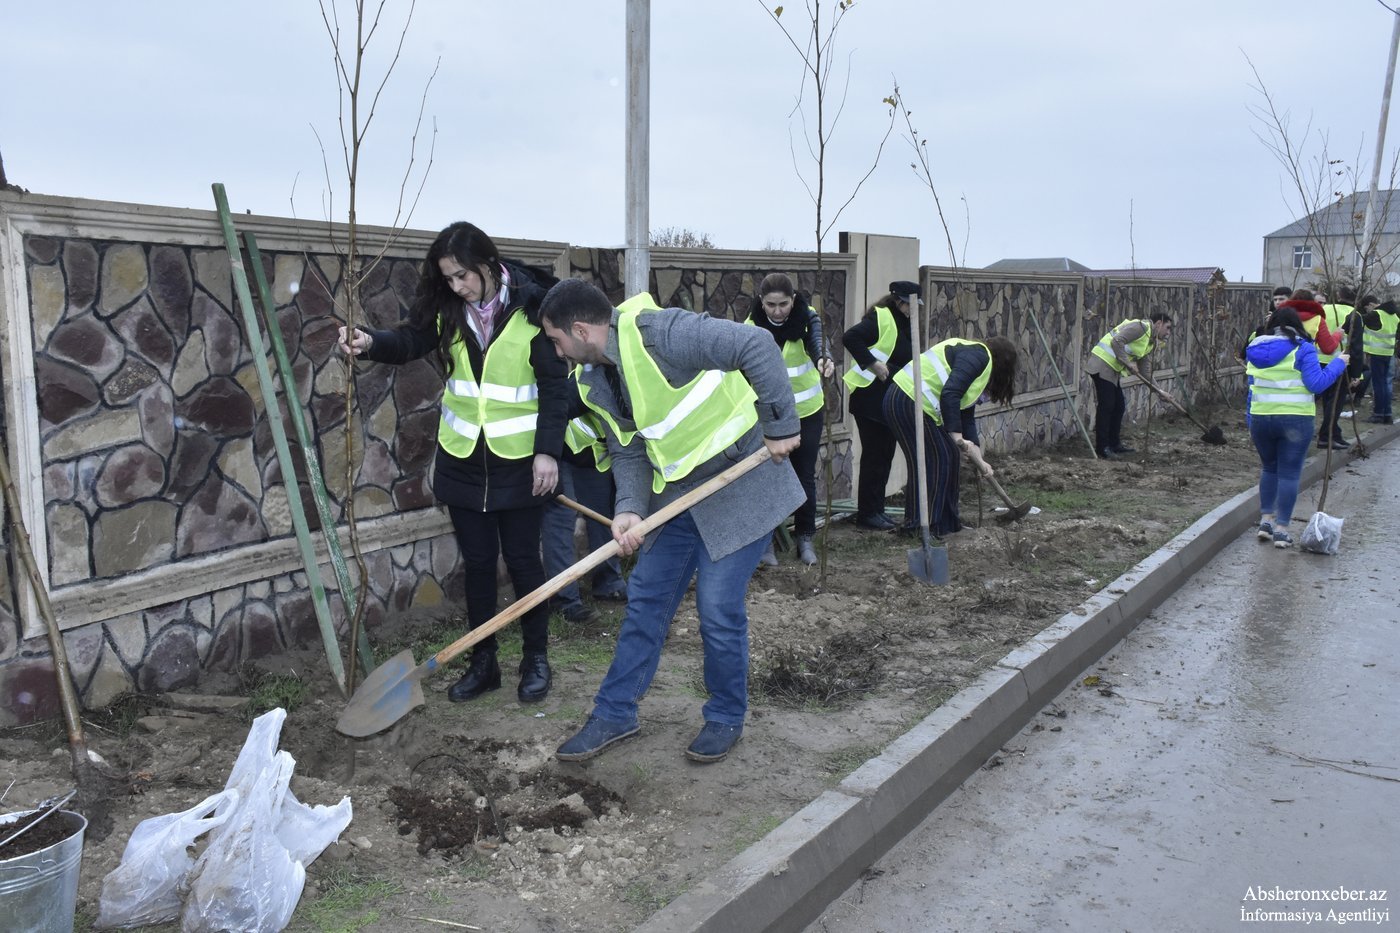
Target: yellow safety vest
[[1382, 342], [1279, 389], [586, 433], [504, 404], [802, 373], [934, 369], [680, 427], [1336, 316], [858, 378], [1136, 350]]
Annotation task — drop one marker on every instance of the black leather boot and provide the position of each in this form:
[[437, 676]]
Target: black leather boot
[[535, 678], [484, 674]]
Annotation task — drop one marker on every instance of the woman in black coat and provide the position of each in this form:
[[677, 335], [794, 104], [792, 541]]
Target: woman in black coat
[[500, 433]]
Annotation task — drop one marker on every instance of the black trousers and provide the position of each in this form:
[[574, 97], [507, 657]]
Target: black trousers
[[1108, 417], [804, 462], [1329, 409], [483, 537], [877, 447]]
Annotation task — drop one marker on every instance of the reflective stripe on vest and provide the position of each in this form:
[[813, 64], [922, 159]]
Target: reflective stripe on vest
[[1136, 350], [1279, 389], [934, 370], [504, 405], [802, 375], [857, 377], [1382, 342], [681, 427], [586, 433]]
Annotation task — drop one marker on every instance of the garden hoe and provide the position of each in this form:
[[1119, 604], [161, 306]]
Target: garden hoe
[[1211, 435], [396, 686], [1014, 512]]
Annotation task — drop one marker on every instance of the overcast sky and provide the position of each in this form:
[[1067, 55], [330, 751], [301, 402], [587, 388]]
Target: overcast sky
[[1111, 132]]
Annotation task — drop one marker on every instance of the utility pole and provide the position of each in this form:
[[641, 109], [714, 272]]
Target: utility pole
[[637, 274], [1368, 232]]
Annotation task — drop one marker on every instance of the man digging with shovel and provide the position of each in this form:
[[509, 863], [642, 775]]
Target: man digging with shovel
[[683, 396], [1118, 352]]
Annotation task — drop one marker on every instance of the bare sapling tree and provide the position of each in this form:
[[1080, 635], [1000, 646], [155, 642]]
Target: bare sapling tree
[[923, 171], [819, 113], [356, 113], [1324, 193]]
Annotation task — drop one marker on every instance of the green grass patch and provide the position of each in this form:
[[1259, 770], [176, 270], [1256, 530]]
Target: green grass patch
[[752, 828], [268, 691], [345, 902], [845, 760], [1061, 502], [650, 896]]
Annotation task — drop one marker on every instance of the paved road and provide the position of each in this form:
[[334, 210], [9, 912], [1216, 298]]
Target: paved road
[[1249, 745]]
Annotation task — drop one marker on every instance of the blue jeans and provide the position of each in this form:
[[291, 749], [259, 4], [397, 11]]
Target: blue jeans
[[654, 591], [585, 486], [1380, 383], [1282, 442]]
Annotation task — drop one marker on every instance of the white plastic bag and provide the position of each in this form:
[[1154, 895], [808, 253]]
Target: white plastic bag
[[251, 875], [1323, 534], [247, 880], [146, 888]]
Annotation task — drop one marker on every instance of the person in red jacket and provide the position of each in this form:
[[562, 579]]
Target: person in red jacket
[[1314, 318]]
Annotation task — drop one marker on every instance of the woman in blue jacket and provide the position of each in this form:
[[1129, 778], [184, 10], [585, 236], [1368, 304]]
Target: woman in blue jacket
[[1284, 376]]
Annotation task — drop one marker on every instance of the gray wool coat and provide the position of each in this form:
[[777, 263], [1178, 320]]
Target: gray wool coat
[[683, 344]]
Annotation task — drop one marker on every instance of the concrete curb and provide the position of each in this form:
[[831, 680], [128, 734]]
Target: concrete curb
[[785, 880]]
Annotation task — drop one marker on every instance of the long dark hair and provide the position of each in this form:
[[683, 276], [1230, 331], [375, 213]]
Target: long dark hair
[[435, 304], [891, 301], [1284, 320], [1001, 387]]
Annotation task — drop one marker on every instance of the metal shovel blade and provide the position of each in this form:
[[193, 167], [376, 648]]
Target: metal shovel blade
[[929, 564], [1014, 513], [386, 695]]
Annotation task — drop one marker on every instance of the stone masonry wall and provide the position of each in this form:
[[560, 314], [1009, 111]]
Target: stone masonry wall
[[157, 451]]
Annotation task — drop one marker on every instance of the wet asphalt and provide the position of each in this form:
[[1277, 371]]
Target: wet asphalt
[[1236, 765]]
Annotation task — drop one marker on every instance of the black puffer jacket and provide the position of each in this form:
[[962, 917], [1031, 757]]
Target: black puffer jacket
[[483, 481]]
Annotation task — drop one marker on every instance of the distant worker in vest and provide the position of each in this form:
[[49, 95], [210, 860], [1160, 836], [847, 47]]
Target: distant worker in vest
[[956, 373], [1378, 340], [682, 396], [782, 311], [500, 430], [1118, 352], [878, 346], [1285, 376], [585, 477], [1337, 315]]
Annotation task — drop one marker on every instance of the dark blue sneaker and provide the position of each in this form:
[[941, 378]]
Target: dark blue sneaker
[[595, 736], [713, 742]]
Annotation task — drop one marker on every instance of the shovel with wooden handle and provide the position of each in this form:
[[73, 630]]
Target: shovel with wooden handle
[[927, 564], [1211, 435], [396, 686]]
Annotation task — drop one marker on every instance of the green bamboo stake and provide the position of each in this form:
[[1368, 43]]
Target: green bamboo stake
[[279, 440], [1073, 408], [314, 477]]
